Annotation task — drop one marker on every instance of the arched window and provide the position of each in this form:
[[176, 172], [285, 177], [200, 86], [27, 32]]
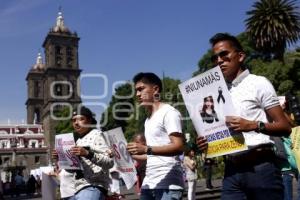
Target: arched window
[[37, 116], [58, 53], [36, 89], [58, 89]]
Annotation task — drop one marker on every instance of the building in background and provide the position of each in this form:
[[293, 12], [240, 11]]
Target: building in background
[[53, 85], [22, 148]]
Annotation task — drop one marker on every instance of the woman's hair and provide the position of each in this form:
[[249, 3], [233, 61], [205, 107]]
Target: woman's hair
[[205, 106], [188, 150]]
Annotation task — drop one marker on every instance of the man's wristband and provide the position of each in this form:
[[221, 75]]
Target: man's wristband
[[90, 155], [149, 150], [261, 127]]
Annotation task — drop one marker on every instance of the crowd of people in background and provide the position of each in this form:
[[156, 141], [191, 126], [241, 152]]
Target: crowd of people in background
[[17, 185], [158, 152]]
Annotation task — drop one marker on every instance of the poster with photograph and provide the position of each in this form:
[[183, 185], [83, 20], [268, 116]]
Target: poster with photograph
[[208, 102], [63, 144], [122, 158]]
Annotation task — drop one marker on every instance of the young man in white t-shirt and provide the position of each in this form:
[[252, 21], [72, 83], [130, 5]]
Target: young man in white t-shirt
[[164, 139], [251, 174]]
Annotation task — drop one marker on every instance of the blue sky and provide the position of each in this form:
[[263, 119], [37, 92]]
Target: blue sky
[[119, 38]]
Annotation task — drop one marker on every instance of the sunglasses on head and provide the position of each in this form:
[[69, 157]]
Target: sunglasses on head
[[222, 55]]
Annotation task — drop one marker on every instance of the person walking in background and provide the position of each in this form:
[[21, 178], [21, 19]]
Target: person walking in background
[[140, 161], [287, 161], [191, 173], [38, 184], [250, 174], [207, 168], [19, 183], [165, 142], [31, 185]]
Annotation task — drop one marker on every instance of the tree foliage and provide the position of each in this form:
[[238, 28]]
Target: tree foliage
[[120, 109], [284, 76], [64, 126], [131, 118], [273, 24]]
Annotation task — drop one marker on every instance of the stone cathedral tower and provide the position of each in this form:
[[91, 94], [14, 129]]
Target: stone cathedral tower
[[54, 85]]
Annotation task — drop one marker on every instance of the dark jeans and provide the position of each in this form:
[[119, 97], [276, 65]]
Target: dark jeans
[[208, 175], [259, 181], [288, 186], [161, 194]]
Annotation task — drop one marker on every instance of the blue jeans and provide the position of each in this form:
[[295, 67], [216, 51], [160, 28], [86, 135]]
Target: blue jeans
[[288, 186], [89, 193], [161, 194], [260, 181]]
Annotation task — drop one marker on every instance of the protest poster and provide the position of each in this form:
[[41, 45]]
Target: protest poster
[[122, 158], [208, 102], [49, 187], [63, 144]]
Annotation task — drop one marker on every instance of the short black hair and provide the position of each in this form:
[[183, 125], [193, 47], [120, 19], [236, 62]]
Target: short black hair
[[226, 37], [148, 78], [82, 110]]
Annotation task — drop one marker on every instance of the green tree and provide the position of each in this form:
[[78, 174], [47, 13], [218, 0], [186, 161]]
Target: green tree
[[126, 112], [120, 109], [285, 77], [65, 125], [273, 24]]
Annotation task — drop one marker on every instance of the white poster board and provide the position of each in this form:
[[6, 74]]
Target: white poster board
[[122, 158], [63, 144], [49, 187], [208, 102]]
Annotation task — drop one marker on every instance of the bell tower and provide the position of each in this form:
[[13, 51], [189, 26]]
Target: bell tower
[[58, 80], [35, 92]]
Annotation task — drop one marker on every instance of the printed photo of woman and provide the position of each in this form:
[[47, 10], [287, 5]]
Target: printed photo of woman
[[208, 112]]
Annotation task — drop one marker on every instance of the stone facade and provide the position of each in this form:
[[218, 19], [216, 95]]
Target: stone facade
[[54, 85], [22, 147]]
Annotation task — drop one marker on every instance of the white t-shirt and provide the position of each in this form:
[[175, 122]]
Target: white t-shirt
[[67, 184], [252, 95], [163, 172]]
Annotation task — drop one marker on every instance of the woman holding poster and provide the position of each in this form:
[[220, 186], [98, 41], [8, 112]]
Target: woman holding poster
[[92, 182], [208, 112]]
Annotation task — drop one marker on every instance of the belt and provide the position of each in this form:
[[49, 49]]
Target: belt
[[101, 189], [254, 156]]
